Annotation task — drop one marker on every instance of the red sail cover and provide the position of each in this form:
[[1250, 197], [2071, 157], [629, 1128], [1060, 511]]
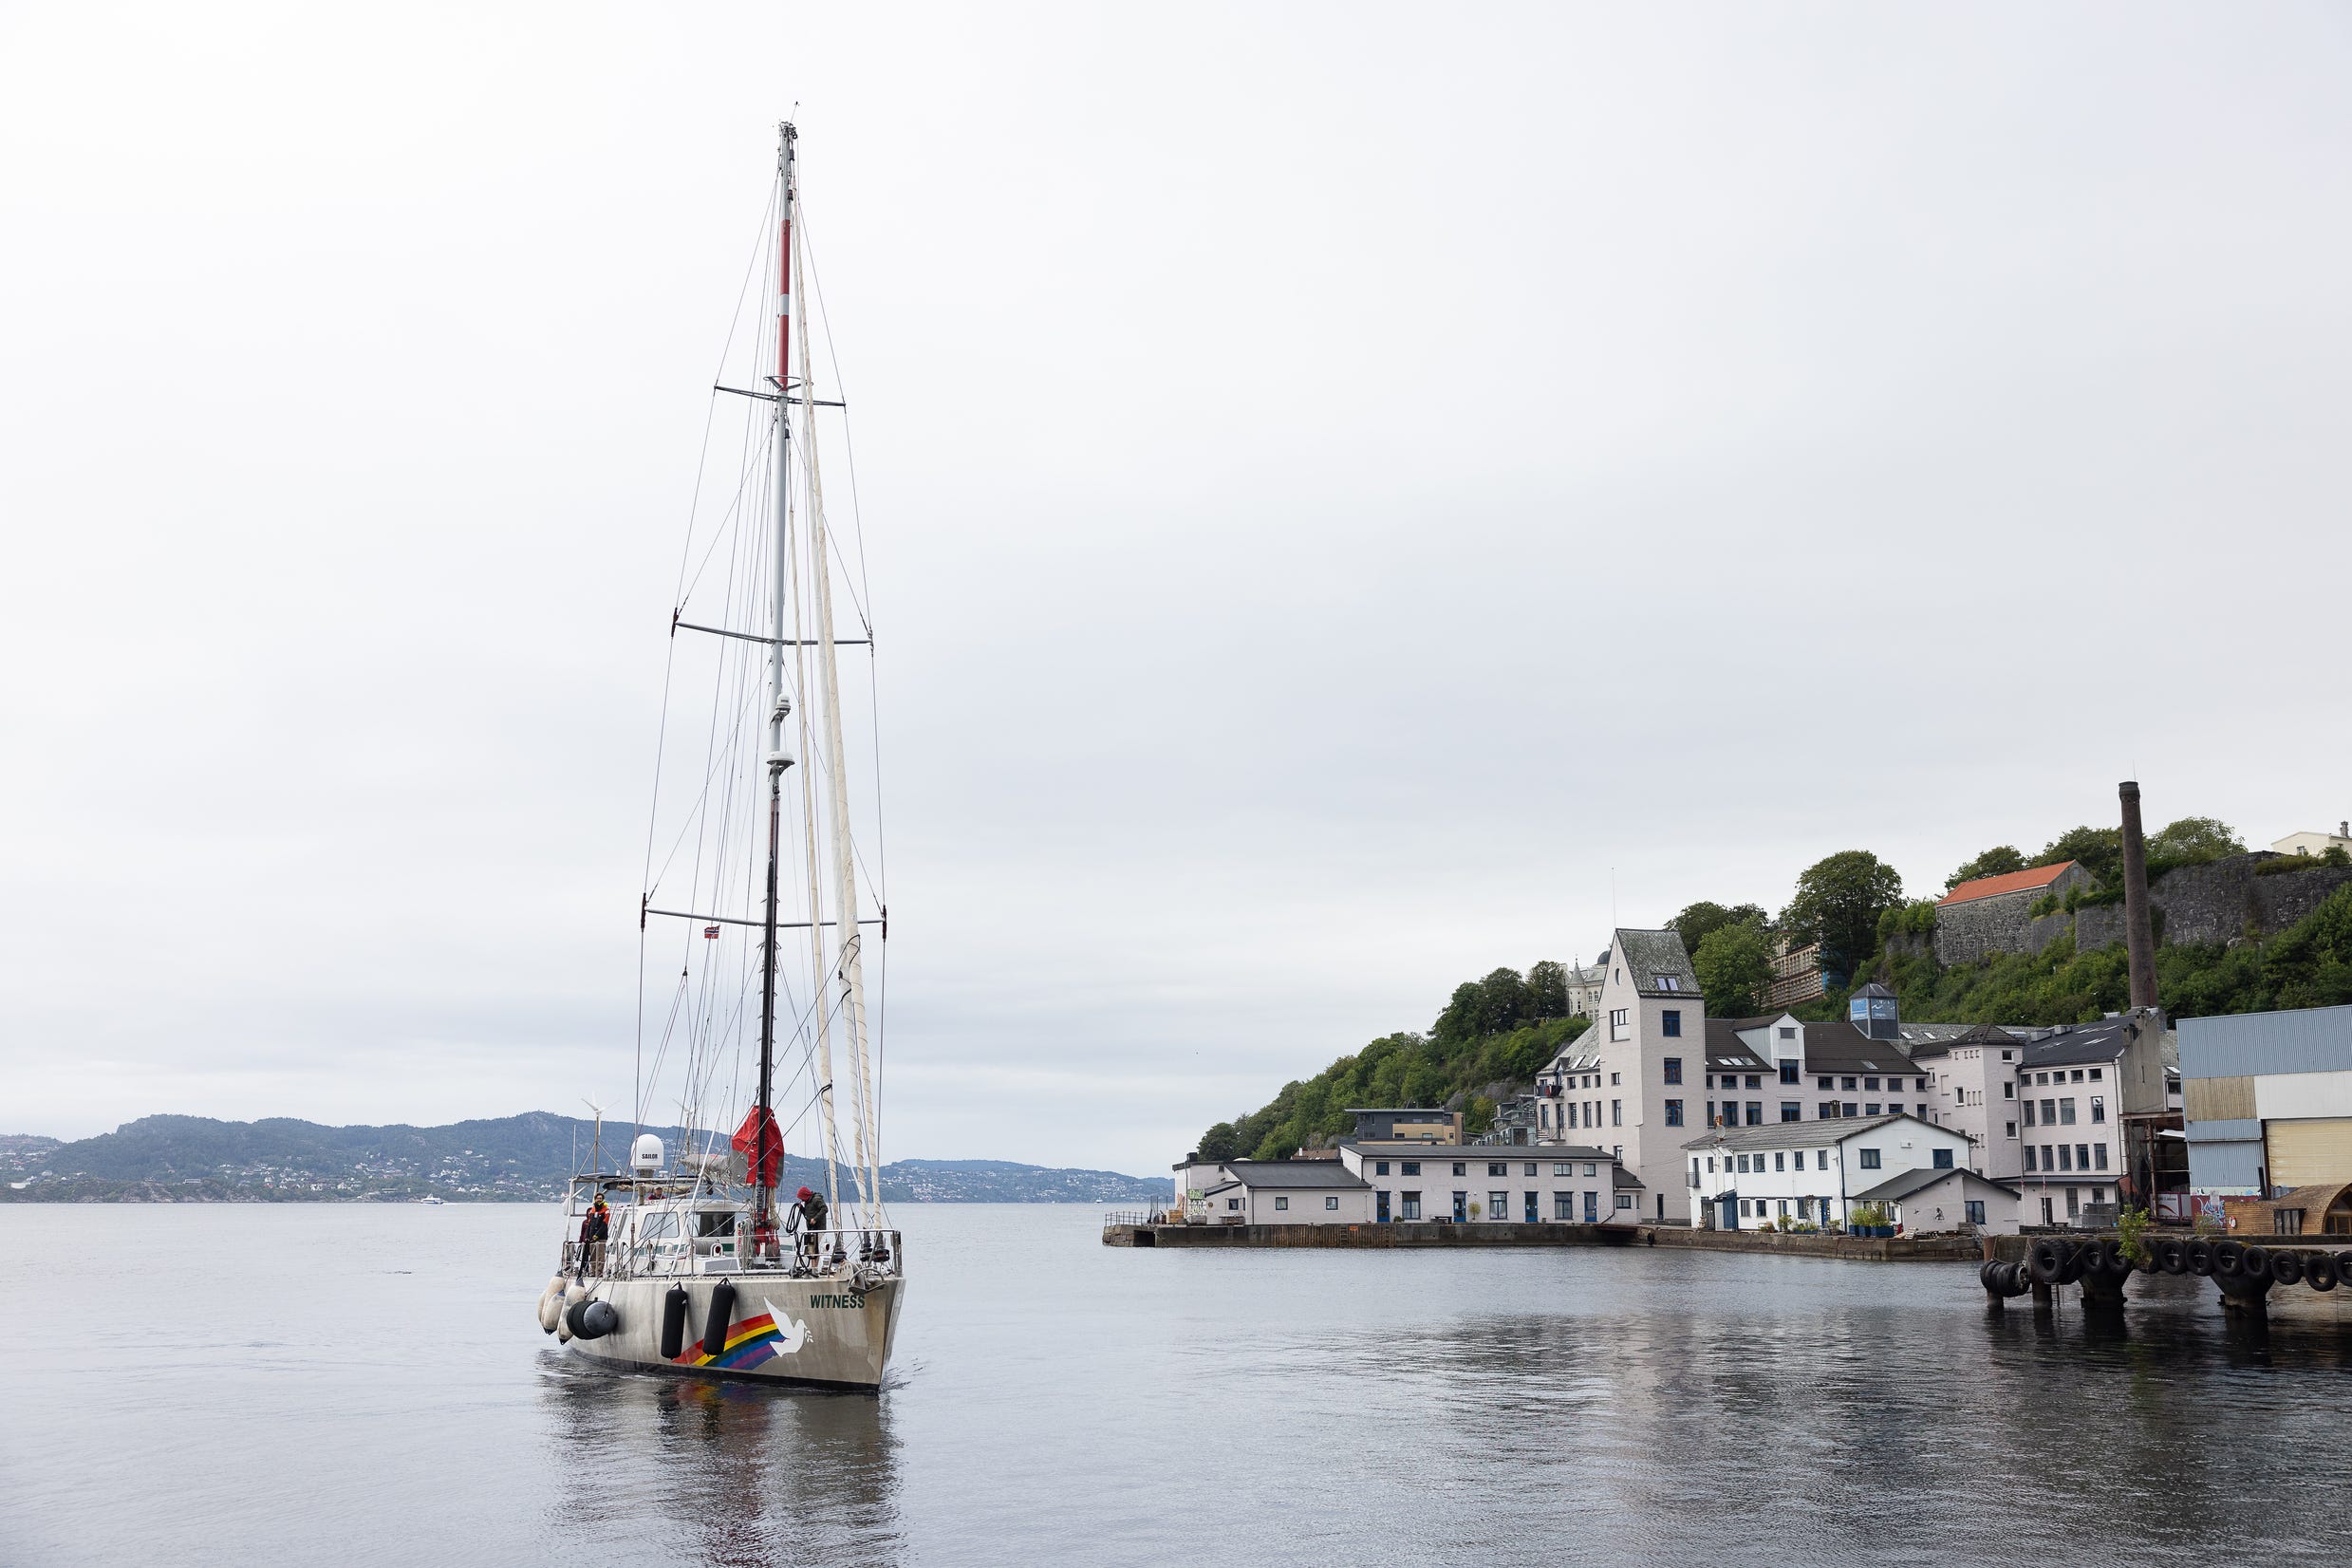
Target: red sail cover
[[759, 1127]]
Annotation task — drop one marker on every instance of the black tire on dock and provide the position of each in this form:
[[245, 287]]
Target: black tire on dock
[[674, 1306], [2045, 1261], [1985, 1275], [2072, 1271], [2099, 1257], [2171, 1256], [2286, 1265], [2018, 1281], [2196, 1255], [2344, 1268], [2254, 1263], [2228, 1259], [2319, 1272], [721, 1314]]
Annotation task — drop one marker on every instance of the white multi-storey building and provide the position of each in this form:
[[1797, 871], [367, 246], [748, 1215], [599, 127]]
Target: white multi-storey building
[[1972, 1084], [1627, 1083]]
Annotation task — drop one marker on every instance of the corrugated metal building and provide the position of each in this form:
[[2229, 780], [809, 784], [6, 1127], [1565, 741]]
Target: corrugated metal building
[[2269, 1100]]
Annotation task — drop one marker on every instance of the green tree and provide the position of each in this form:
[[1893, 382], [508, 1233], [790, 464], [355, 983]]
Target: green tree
[[1734, 965], [1701, 919], [2194, 840], [1838, 904], [1220, 1143], [2099, 850], [1547, 989], [1501, 1002], [1998, 861]]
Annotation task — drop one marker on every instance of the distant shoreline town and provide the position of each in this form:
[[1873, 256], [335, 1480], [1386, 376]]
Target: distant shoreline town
[[524, 1159]]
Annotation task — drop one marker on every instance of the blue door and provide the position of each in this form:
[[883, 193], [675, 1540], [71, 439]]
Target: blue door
[[1730, 1212], [1461, 1209], [1380, 1212], [1592, 1208]]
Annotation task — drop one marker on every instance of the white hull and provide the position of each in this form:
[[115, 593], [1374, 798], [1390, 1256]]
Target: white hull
[[826, 1332]]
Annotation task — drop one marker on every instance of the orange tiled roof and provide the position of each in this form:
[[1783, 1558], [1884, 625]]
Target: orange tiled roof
[[2007, 882]]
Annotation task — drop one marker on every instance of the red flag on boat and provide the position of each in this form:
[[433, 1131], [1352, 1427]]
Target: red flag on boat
[[759, 1127]]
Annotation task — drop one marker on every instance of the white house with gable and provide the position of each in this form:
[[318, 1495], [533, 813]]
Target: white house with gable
[[1625, 1084], [1815, 1172]]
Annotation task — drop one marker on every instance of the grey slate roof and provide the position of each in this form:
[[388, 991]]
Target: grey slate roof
[[1649, 956], [1726, 1050], [2079, 1045], [1741, 1140], [1913, 1181], [1438, 1153], [1841, 1047], [1296, 1173], [1936, 1039]]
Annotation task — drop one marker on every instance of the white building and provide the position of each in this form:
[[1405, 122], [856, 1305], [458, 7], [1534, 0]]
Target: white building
[[2316, 844], [1489, 1183], [1973, 1088], [1926, 1201], [1622, 1084], [1811, 1173], [1287, 1193]]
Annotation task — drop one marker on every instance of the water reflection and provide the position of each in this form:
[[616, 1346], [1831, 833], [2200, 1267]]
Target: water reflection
[[731, 1474]]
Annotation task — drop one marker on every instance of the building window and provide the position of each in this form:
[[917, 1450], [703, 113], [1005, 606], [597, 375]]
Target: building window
[[1870, 1159], [2094, 1074], [1498, 1168], [2099, 1109], [1755, 1081], [1920, 1087], [1563, 1205], [1848, 1084], [1976, 1211], [1742, 1164], [2066, 1111], [1789, 1031], [1669, 1023], [1281, 1204], [1616, 1078], [1531, 1168], [1820, 1159], [1667, 982], [2287, 1221], [2065, 1156], [1779, 1161], [1233, 1205], [1625, 1200], [2012, 1129], [1617, 1112], [1413, 1168], [2101, 1150], [1589, 1169], [1828, 1083], [1413, 1205], [1943, 1159], [1792, 1111], [1849, 1109], [1563, 1169], [1673, 1113], [1380, 1168], [1461, 1170], [1617, 1023], [2078, 1076], [1870, 1083], [1498, 1205], [1870, 1107], [2009, 1091], [1755, 1112], [1828, 1109], [1330, 1202], [1788, 1070]]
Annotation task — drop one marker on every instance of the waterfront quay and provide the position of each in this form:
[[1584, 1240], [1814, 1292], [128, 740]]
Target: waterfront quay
[[1156, 1228]]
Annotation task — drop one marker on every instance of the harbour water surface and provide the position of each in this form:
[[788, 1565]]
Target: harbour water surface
[[353, 1384]]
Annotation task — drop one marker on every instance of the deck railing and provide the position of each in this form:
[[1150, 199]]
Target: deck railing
[[802, 1254]]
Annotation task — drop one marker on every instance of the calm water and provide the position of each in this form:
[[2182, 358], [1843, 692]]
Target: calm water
[[365, 1385]]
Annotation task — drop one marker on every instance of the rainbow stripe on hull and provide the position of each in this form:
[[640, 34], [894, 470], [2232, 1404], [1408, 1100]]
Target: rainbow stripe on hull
[[750, 1341]]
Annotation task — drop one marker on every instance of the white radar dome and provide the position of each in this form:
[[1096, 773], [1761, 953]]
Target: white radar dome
[[647, 1155]]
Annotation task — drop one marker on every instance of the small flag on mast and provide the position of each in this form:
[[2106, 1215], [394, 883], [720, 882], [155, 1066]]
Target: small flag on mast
[[710, 930]]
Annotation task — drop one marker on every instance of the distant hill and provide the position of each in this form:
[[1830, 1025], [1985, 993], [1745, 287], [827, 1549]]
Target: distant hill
[[518, 1159]]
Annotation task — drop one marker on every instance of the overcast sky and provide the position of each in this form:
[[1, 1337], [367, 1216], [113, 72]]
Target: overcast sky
[[1355, 495]]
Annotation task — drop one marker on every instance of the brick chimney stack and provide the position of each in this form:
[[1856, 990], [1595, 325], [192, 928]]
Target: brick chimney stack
[[2138, 926]]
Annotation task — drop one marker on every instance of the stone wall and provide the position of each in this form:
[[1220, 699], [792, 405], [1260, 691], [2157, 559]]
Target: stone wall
[[1983, 927], [2218, 902]]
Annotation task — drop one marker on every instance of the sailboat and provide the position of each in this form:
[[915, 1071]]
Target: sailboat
[[690, 1259]]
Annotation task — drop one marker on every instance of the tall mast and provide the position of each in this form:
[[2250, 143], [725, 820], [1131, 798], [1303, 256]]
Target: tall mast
[[779, 707]]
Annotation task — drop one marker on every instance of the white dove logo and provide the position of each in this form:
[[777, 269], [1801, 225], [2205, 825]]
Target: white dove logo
[[789, 1335]]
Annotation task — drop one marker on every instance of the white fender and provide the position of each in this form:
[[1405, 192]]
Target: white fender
[[573, 1293], [551, 1304]]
